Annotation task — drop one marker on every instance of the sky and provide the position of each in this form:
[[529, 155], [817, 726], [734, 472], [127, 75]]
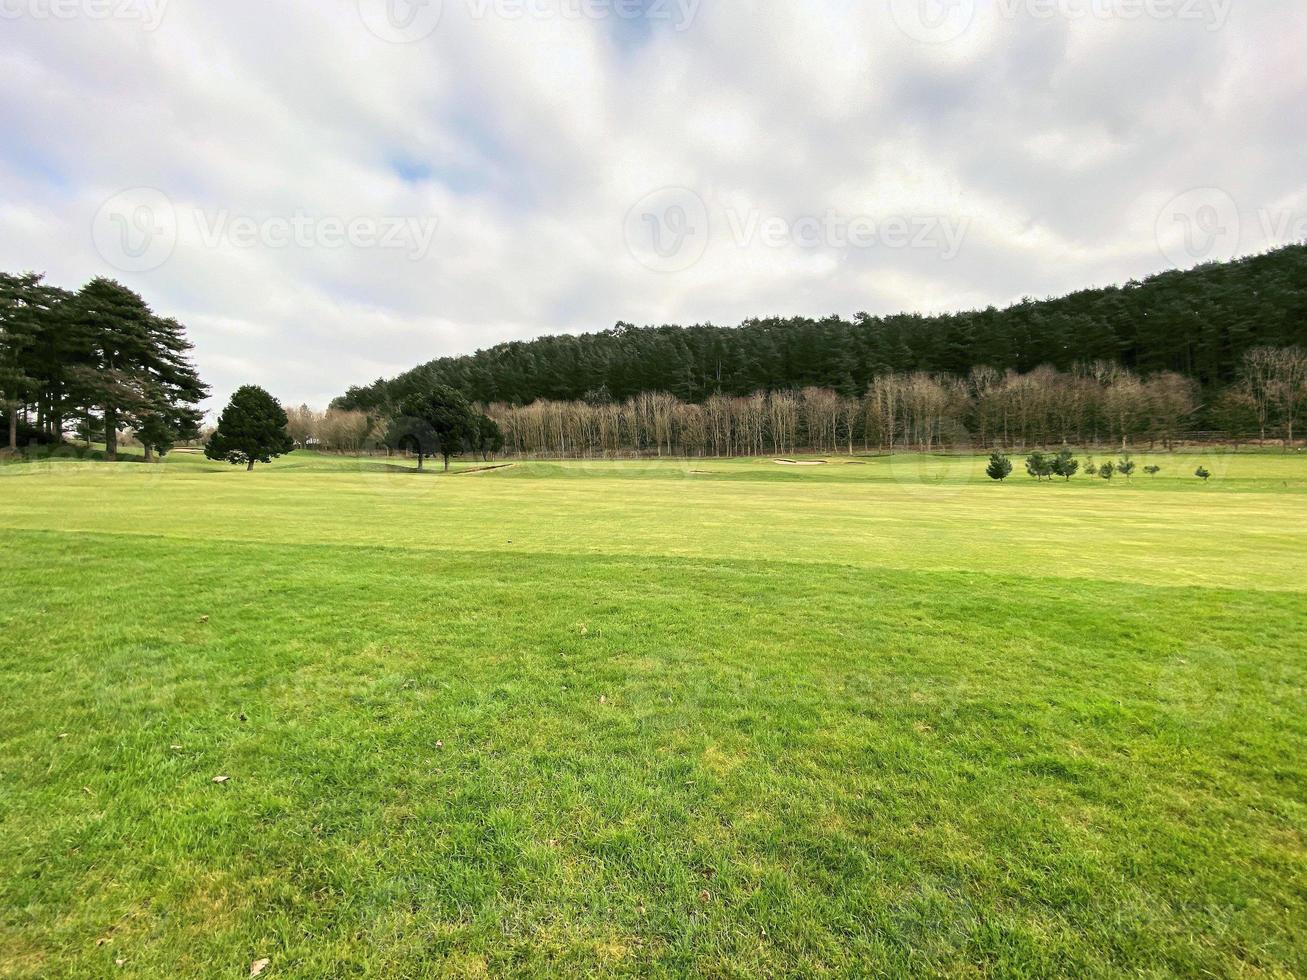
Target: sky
[[330, 191]]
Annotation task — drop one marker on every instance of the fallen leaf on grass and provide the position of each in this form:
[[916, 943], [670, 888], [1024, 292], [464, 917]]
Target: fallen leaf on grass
[[258, 966], [204, 619], [221, 779], [705, 896]]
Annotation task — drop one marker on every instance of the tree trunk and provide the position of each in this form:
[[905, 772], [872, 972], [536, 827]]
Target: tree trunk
[[110, 435], [446, 464], [149, 452], [419, 462], [249, 466], [13, 427]]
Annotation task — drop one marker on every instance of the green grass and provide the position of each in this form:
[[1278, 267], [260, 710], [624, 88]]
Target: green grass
[[719, 717]]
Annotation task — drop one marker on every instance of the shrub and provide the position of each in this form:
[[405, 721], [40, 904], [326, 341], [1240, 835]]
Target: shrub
[[1065, 465], [999, 468], [1107, 471], [1152, 470], [1126, 467], [1203, 473], [1039, 466]]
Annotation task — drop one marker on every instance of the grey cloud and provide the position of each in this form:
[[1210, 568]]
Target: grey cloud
[[530, 141]]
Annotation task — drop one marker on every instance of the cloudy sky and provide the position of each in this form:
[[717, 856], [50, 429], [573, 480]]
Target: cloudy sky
[[328, 191]]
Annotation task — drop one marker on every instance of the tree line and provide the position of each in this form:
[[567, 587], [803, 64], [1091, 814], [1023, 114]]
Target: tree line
[[99, 360], [1093, 404], [1048, 466], [1198, 323]]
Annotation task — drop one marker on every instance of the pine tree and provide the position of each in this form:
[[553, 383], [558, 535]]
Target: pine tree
[[18, 333], [1066, 465], [117, 323], [1039, 466], [1000, 467], [252, 428], [438, 422], [139, 370]]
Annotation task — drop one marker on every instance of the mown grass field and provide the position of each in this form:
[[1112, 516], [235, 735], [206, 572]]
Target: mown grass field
[[652, 718]]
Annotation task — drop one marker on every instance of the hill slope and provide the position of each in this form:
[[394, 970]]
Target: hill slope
[[1198, 322]]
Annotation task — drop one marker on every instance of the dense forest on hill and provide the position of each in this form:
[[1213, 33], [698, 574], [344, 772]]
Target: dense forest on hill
[[1198, 323]]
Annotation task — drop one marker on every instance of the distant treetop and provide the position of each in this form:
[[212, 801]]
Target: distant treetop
[[1198, 323]]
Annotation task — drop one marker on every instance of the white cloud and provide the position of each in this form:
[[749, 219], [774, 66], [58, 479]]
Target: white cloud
[[529, 139]]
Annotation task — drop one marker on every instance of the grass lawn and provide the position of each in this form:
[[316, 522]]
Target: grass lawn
[[652, 718]]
